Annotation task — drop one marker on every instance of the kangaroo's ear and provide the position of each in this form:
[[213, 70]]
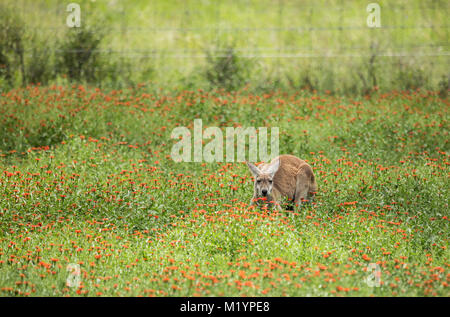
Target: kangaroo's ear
[[274, 168], [255, 170]]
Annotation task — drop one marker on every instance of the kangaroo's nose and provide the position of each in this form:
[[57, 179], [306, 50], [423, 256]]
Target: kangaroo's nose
[[264, 192]]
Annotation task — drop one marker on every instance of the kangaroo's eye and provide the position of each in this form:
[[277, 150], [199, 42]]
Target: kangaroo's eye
[[270, 181]]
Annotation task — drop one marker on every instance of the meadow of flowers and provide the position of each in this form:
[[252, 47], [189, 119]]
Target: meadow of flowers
[[86, 179]]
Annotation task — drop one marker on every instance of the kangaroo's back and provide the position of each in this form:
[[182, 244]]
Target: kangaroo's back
[[285, 178]]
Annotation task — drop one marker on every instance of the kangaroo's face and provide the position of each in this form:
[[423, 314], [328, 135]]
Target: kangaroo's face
[[264, 179], [263, 185]]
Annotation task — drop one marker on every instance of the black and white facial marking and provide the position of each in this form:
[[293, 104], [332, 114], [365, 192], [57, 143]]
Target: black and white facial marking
[[263, 185], [264, 179]]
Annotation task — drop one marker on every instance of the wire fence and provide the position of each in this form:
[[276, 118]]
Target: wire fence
[[396, 17], [187, 38]]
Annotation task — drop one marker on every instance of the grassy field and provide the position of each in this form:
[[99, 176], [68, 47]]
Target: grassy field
[[324, 45], [86, 178]]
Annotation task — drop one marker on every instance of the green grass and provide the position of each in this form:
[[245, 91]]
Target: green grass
[[86, 177]]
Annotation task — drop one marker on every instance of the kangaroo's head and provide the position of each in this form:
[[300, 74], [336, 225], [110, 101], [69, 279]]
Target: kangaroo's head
[[264, 179]]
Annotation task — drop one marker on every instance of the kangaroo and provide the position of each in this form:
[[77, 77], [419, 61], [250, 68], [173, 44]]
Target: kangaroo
[[285, 176]]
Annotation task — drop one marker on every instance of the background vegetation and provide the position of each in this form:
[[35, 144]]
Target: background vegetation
[[322, 45]]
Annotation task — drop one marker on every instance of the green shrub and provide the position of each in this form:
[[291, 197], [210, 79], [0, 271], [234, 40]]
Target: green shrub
[[410, 77], [78, 54], [226, 69], [444, 86], [306, 78], [121, 71], [367, 73], [39, 66], [11, 45]]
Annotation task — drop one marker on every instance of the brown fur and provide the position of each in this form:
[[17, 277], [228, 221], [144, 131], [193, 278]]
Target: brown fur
[[294, 179]]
